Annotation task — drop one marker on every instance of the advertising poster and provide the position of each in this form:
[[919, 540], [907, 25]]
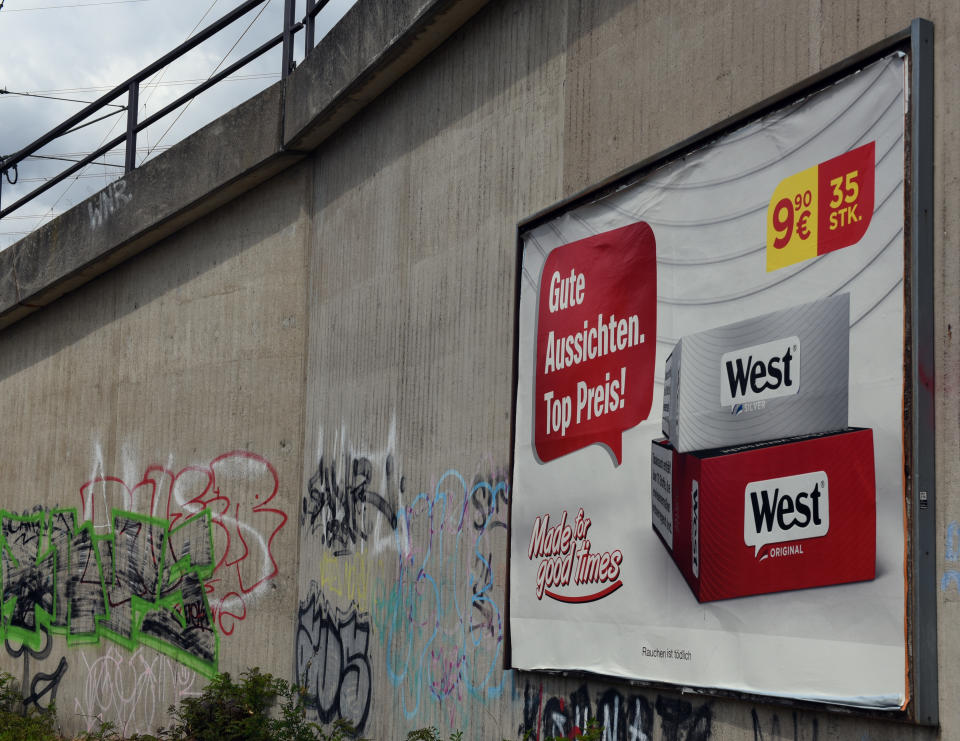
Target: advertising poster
[[708, 466]]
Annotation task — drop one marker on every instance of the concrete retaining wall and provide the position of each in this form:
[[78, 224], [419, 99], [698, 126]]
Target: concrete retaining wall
[[318, 342]]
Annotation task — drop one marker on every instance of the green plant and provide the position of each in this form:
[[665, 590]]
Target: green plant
[[105, 731], [226, 710], [9, 694], [247, 710], [593, 732], [18, 723], [432, 734], [341, 731], [292, 723]]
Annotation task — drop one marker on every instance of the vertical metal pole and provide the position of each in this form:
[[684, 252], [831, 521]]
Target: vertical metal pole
[[922, 315], [133, 96], [289, 10], [310, 22]]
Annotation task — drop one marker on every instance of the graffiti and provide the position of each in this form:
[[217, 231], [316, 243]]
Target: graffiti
[[134, 585], [776, 732], [109, 200], [680, 721], [238, 490], [952, 554], [340, 505], [489, 505], [622, 718], [131, 690], [332, 661], [40, 688], [344, 580], [27, 574], [442, 625], [170, 562]]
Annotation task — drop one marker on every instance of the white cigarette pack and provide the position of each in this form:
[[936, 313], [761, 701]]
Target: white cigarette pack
[[767, 377]]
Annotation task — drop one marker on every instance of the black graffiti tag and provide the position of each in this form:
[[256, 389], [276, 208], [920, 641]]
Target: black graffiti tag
[[336, 505], [332, 661], [621, 718], [41, 685]]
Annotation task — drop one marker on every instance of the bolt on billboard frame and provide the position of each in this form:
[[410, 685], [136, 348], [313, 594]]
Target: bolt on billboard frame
[[585, 336]]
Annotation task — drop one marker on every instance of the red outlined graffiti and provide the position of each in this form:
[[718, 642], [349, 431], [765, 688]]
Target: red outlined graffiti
[[238, 488]]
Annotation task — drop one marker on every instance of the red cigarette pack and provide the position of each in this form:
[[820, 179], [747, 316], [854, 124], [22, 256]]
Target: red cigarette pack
[[768, 517]]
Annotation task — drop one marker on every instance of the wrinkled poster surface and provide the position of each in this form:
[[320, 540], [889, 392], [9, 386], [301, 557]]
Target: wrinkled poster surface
[[707, 485]]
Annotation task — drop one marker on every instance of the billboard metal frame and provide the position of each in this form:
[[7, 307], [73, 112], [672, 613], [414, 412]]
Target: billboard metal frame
[[916, 42]]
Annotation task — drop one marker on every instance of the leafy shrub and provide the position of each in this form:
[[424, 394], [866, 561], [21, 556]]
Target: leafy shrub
[[432, 734], [244, 711], [227, 711], [18, 723], [9, 694], [593, 732]]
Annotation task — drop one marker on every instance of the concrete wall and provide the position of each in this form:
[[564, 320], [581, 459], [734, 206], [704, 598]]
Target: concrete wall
[[170, 384], [347, 326]]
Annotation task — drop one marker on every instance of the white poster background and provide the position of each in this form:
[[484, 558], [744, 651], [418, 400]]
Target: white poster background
[[842, 644]]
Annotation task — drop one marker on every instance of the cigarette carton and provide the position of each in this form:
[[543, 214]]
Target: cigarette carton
[[772, 376], [768, 517]]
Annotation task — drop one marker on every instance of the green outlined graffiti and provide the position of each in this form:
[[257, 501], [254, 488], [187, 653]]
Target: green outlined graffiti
[[140, 584], [28, 592]]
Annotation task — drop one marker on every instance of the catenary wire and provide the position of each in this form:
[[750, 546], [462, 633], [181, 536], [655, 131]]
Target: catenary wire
[[76, 178], [52, 97], [158, 76], [166, 83], [74, 5], [219, 64]]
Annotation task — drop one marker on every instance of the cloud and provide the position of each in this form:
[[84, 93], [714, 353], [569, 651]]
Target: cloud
[[70, 50]]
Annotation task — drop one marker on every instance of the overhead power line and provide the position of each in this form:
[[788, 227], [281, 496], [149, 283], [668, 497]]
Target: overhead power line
[[74, 5], [183, 109], [32, 216], [154, 83], [67, 159], [84, 175], [4, 91], [165, 83], [116, 151]]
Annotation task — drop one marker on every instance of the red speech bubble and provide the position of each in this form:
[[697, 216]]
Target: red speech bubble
[[596, 341]]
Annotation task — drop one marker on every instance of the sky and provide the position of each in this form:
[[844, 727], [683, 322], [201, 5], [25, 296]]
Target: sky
[[81, 49]]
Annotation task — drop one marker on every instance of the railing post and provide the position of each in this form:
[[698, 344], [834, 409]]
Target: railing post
[[289, 11], [310, 22], [133, 95]]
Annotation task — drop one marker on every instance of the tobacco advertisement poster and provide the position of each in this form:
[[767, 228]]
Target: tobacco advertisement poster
[[708, 463]]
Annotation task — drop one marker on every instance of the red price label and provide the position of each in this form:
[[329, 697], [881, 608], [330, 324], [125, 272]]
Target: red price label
[[821, 209]]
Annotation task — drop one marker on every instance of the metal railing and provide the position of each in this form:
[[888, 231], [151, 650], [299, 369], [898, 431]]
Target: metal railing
[[131, 88]]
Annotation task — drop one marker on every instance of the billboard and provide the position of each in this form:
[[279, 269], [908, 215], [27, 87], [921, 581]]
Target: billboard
[[708, 481]]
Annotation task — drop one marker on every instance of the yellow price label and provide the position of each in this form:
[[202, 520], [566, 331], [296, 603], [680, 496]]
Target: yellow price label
[[792, 220], [821, 209]]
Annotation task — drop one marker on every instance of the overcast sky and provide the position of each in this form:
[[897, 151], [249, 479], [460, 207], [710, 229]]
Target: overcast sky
[[81, 49]]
